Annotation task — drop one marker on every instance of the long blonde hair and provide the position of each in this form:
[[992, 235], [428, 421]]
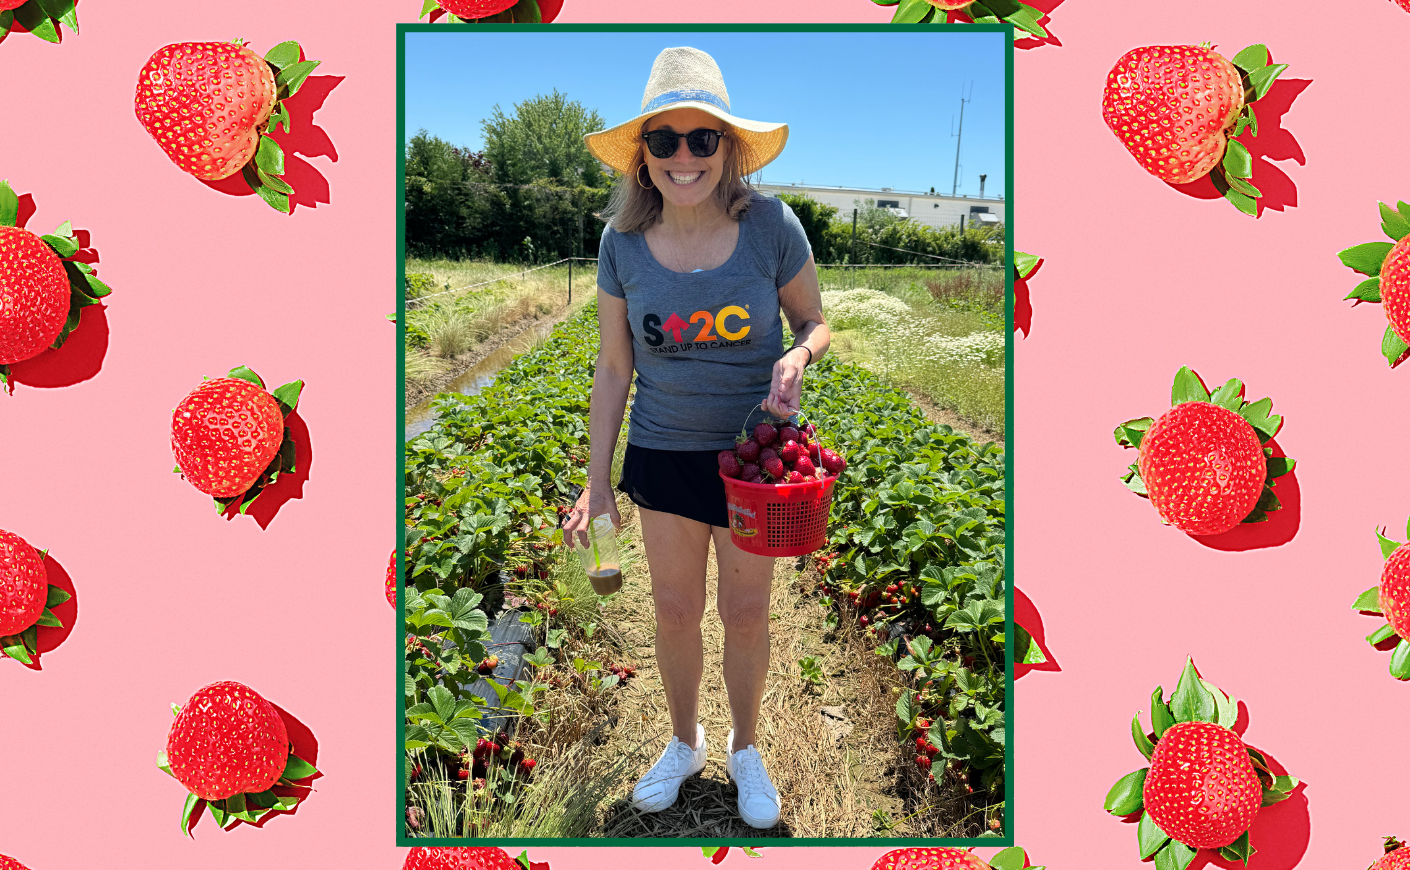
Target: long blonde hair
[[633, 208]]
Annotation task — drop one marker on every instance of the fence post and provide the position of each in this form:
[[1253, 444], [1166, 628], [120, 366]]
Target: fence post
[[570, 280]]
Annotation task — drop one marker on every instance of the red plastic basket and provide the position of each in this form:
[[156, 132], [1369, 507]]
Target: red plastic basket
[[778, 520]]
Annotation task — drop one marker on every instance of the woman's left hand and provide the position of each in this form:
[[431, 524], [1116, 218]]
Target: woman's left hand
[[787, 388]]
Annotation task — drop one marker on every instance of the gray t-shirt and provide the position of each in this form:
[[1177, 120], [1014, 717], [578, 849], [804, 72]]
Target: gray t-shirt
[[704, 343]]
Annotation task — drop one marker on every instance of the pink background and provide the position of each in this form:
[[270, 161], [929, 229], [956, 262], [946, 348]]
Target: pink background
[[171, 597]]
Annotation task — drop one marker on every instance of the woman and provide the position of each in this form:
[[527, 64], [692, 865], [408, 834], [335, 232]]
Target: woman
[[693, 271]]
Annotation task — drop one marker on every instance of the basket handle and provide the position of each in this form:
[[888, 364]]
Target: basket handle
[[744, 432]]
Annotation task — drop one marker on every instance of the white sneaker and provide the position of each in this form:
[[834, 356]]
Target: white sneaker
[[658, 789], [758, 799]]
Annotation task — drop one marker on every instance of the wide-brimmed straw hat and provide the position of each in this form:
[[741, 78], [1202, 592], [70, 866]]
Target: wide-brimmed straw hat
[[687, 78]]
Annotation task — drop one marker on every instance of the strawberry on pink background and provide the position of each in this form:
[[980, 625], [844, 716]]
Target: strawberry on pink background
[[43, 290], [951, 858], [1391, 599], [1180, 110], [1396, 857], [492, 11], [26, 596], [211, 105], [1388, 266]]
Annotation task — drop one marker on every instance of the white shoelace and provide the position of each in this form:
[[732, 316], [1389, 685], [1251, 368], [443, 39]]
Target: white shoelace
[[677, 759], [749, 770]]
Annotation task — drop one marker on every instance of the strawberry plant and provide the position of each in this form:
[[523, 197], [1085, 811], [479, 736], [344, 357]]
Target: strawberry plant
[[26, 598], [211, 107], [1204, 786], [1391, 599], [44, 287], [1179, 110], [40, 17], [1387, 265], [1203, 464]]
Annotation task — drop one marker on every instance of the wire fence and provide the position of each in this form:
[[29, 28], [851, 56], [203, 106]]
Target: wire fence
[[412, 301]]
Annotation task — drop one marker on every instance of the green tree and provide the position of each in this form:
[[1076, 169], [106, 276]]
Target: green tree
[[543, 141], [815, 217]]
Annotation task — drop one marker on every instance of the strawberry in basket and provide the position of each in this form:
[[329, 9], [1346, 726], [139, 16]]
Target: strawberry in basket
[[780, 453]]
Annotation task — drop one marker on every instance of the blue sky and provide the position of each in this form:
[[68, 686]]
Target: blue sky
[[864, 109]]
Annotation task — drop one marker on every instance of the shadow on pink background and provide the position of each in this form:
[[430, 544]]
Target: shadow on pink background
[[290, 486], [1027, 615], [50, 638], [1273, 142]]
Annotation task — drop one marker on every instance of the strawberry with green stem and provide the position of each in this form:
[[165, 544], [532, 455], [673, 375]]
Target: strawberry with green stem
[[493, 11], [1179, 110], [26, 598], [40, 17], [1391, 599], [1204, 464], [212, 105], [951, 858], [229, 748], [1204, 786], [230, 439], [1396, 857], [43, 290], [1023, 17], [1387, 267]]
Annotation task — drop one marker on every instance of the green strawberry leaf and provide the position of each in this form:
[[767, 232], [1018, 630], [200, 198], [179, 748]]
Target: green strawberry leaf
[[1238, 162], [63, 246], [1251, 58], [56, 597], [526, 12], [1012, 858], [1187, 388], [1229, 396], [1003, 8], [1130, 433], [911, 12], [1366, 258], [1027, 19], [283, 55], [30, 638], [1239, 185], [1191, 701], [1025, 650], [14, 647], [1149, 836], [1268, 501], [245, 373], [297, 769], [1239, 850], [218, 813], [1280, 791], [1024, 264], [1393, 347], [7, 20], [274, 183], [34, 19], [1161, 717], [1368, 601], [1387, 545], [1367, 291], [1385, 632], [1143, 742], [49, 620], [1243, 202], [9, 205], [1226, 707], [1252, 117], [61, 10], [1133, 481], [1400, 660], [1278, 466], [288, 396], [290, 79], [1255, 516], [1174, 856], [269, 157], [877, 2], [273, 198], [163, 764], [1262, 79], [188, 811], [1260, 416], [428, 7], [1393, 223], [1125, 797]]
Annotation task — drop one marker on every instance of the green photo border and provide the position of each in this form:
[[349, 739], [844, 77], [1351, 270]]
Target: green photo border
[[756, 842]]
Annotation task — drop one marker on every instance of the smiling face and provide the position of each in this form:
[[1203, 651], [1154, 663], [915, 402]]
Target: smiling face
[[686, 181]]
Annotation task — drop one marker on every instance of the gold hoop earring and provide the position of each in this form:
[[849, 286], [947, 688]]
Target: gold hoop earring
[[638, 177]]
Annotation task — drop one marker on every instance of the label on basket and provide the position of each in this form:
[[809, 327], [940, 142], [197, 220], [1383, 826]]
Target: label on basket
[[743, 522]]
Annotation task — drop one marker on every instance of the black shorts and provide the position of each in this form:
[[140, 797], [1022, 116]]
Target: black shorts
[[686, 483]]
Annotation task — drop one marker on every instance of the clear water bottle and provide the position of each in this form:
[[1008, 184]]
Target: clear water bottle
[[599, 558]]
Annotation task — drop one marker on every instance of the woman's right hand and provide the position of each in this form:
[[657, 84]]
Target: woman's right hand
[[591, 503]]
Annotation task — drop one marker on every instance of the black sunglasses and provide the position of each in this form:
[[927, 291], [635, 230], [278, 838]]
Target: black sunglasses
[[702, 142]]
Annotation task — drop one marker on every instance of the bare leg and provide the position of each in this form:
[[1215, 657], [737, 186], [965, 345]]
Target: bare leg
[[676, 551], [743, 602]]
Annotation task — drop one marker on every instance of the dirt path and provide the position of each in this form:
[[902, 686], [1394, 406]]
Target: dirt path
[[418, 393], [936, 414], [832, 770]]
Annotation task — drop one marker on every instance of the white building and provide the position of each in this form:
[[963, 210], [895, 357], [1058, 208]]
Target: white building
[[934, 209]]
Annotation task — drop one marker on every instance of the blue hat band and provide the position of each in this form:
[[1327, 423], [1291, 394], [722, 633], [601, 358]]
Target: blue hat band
[[670, 97]]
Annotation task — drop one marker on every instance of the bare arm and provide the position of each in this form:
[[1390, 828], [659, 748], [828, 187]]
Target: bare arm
[[801, 301], [610, 385]]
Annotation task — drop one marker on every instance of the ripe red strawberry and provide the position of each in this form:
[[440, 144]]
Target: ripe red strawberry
[[6, 862], [788, 433], [1387, 266], [729, 464], [392, 580], [794, 477], [1178, 108], [1203, 463], [1202, 789], [751, 472], [815, 452], [766, 454], [832, 461], [25, 598], [774, 466], [929, 858], [1394, 591], [789, 452], [227, 740], [804, 466], [765, 434], [209, 105], [42, 290], [459, 858], [1397, 856], [227, 433], [748, 450], [923, 762]]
